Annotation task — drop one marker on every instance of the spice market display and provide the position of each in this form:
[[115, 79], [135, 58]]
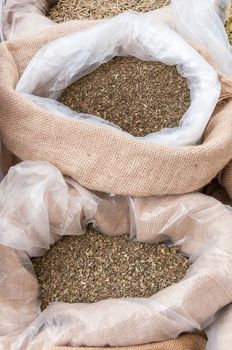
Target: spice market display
[[116, 174]]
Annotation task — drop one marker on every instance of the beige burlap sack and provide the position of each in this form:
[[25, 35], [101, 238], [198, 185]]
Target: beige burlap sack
[[111, 162], [199, 224], [19, 292], [192, 220]]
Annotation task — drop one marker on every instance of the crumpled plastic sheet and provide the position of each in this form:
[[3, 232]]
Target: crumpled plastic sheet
[[149, 37], [21, 17], [223, 8], [2, 3], [219, 333], [35, 195], [38, 205], [200, 23]]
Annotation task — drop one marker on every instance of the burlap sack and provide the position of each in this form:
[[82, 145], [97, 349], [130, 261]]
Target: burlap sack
[[109, 162], [200, 224], [19, 292]]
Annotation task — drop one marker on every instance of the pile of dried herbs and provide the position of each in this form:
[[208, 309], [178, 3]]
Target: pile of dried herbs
[[140, 97], [94, 267], [96, 9]]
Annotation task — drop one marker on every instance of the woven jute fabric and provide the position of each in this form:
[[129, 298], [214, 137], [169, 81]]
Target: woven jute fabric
[[200, 223], [185, 342], [19, 292], [99, 158]]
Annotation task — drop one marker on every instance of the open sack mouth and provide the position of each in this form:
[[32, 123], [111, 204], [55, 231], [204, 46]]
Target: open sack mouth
[[60, 63], [38, 206], [93, 267]]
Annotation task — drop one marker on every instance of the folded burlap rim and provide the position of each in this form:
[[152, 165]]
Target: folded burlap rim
[[99, 158]]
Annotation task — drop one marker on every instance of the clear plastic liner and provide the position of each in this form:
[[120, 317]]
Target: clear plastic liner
[[145, 36], [112, 216], [150, 211], [199, 23], [37, 205], [88, 207], [25, 17], [223, 9], [219, 333], [199, 224], [2, 3], [55, 107]]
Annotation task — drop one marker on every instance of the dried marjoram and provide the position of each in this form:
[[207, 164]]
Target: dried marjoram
[[94, 267]]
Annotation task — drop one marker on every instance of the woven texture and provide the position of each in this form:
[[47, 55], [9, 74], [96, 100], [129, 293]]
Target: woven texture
[[185, 342], [99, 158], [19, 292], [200, 223]]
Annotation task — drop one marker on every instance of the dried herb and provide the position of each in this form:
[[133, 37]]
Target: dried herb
[[94, 267], [95, 9], [140, 97]]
